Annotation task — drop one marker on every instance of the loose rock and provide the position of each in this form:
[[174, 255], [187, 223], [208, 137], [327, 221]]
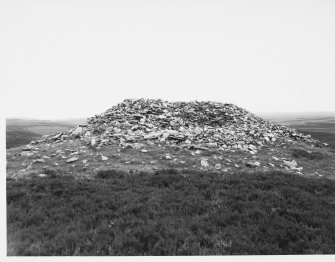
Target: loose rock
[[41, 160], [191, 125], [253, 164], [218, 166], [77, 132], [291, 164], [204, 163], [71, 160]]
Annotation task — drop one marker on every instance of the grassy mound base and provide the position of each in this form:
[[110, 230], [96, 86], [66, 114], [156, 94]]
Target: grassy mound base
[[171, 213]]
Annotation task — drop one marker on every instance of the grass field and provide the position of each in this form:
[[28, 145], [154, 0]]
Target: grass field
[[138, 203], [17, 137], [171, 213]]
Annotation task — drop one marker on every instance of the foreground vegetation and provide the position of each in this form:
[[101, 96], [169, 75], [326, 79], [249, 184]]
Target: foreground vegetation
[[171, 213]]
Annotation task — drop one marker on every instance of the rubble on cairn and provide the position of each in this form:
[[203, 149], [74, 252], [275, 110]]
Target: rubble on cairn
[[191, 125]]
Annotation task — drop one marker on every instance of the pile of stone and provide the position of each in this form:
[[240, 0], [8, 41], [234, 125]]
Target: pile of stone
[[192, 125]]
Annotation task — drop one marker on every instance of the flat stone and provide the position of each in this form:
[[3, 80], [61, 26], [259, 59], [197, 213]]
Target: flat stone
[[204, 163], [291, 164], [26, 153], [71, 160], [253, 164], [58, 136]]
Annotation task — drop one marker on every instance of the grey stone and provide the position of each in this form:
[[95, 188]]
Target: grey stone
[[77, 132], [291, 164], [71, 160], [253, 164], [204, 162]]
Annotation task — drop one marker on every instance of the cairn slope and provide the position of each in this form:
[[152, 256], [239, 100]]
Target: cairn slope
[[149, 177], [147, 134], [186, 124]]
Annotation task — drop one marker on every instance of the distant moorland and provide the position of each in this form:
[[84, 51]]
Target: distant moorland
[[23, 131], [67, 197], [320, 126]]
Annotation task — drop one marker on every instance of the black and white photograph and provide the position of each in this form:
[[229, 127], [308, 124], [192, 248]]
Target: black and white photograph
[[197, 129]]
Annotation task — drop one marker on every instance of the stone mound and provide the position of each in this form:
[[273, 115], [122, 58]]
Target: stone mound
[[192, 125]]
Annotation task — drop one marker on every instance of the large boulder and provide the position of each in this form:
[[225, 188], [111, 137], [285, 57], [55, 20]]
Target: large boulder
[[77, 132]]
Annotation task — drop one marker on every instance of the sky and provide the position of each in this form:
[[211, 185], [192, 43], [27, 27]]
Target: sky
[[71, 58]]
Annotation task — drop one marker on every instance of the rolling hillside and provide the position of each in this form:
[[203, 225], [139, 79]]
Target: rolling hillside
[[321, 126], [23, 131], [151, 177]]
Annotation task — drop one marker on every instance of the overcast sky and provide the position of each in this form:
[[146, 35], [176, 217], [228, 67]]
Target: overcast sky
[[70, 58]]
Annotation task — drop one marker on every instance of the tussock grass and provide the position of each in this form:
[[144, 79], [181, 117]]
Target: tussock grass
[[171, 212], [301, 153], [110, 173]]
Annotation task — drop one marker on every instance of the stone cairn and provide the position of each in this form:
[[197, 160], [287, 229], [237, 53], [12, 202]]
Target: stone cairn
[[191, 125]]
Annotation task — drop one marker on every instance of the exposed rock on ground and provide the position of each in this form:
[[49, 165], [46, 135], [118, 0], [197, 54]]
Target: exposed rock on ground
[[192, 125], [152, 134]]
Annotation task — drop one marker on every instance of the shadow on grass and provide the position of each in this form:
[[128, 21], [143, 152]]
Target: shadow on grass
[[171, 213]]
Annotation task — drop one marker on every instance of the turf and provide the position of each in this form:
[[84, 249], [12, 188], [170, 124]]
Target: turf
[[16, 138], [171, 212]]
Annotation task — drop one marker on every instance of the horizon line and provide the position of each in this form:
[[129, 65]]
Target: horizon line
[[82, 117]]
